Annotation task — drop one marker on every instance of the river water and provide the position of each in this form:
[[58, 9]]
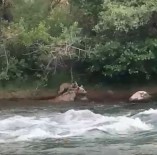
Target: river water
[[40, 128]]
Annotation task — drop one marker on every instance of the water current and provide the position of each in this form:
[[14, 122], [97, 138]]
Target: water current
[[40, 128]]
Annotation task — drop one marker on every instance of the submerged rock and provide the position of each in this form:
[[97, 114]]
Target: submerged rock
[[140, 96]]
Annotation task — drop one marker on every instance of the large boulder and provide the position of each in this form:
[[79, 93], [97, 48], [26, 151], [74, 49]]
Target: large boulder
[[140, 96]]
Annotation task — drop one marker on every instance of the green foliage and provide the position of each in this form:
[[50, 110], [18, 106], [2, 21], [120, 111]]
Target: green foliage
[[39, 33], [57, 18], [126, 42], [32, 11], [112, 38], [32, 50], [126, 15], [114, 58], [90, 7], [86, 12]]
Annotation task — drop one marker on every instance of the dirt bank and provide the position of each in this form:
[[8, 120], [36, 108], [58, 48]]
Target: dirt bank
[[94, 94]]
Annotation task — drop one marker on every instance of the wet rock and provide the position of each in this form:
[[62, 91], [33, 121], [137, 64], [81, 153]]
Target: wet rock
[[140, 96]]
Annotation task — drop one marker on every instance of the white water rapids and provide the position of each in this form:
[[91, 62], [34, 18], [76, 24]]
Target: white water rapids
[[73, 123]]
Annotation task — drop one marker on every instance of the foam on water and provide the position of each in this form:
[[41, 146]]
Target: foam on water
[[73, 123], [148, 112]]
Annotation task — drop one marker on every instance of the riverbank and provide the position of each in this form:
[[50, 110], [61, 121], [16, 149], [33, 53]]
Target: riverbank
[[96, 94]]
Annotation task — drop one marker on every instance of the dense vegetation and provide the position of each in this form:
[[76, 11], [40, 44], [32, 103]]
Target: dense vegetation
[[102, 39]]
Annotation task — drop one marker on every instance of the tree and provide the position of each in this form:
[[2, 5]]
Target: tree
[[5, 10], [126, 34], [86, 12]]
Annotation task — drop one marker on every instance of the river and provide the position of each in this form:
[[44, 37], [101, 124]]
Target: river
[[41, 128]]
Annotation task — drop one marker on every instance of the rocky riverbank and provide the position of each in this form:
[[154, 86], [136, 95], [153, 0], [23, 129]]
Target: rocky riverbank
[[93, 94]]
